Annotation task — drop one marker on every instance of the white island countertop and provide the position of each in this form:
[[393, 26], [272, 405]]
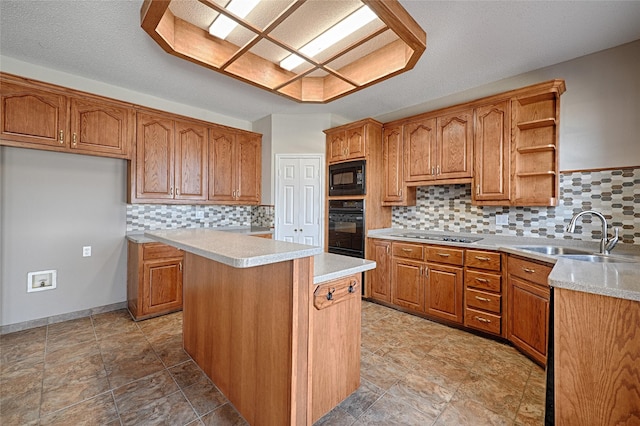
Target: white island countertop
[[233, 249], [329, 266]]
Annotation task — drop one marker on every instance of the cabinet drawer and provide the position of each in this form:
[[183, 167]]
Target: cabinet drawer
[[483, 321], [483, 280], [482, 260], [530, 271], [448, 255], [409, 251], [483, 300], [159, 251]]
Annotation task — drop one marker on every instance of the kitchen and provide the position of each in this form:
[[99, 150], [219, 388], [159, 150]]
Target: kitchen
[[41, 190]]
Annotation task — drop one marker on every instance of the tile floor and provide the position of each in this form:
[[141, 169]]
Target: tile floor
[[109, 370]]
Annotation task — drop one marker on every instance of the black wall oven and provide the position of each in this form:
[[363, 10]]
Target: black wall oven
[[347, 178], [346, 227]]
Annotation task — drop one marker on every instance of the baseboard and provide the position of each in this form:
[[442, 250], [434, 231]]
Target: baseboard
[[12, 328]]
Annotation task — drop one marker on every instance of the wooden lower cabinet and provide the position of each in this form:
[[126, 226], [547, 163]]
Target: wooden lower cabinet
[[408, 285], [485, 304], [335, 342], [380, 278], [596, 359], [154, 279], [528, 317], [444, 292]]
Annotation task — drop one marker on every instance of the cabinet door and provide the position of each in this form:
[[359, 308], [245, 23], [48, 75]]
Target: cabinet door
[[191, 161], [407, 289], [101, 128], [336, 146], [154, 157], [393, 167], [381, 276], [248, 154], [492, 153], [528, 319], [420, 150], [162, 286], [33, 116], [455, 145], [445, 292], [355, 143], [221, 170]]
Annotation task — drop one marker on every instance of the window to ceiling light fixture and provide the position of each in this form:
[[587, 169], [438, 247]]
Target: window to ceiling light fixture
[[341, 30], [391, 43], [222, 26]]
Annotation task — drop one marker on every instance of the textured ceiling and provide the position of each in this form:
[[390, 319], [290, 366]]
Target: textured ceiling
[[468, 44]]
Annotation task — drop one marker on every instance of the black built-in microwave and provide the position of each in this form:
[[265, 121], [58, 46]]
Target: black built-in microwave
[[347, 178]]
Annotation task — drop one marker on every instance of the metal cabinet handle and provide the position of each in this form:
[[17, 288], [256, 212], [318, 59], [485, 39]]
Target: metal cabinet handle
[[438, 170], [482, 280], [484, 320], [477, 189], [180, 265], [177, 191], [444, 254], [388, 249], [530, 271], [171, 190], [61, 137], [484, 259], [433, 169], [407, 250], [75, 139], [483, 299]]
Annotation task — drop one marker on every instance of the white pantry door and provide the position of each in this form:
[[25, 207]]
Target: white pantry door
[[299, 199]]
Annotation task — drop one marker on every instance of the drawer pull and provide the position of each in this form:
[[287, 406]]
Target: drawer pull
[[482, 280], [483, 299], [484, 320], [330, 293], [530, 271], [61, 137], [444, 254], [482, 258], [408, 250]]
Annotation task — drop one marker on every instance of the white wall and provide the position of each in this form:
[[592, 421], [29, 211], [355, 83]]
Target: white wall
[[52, 205], [600, 111], [290, 134]]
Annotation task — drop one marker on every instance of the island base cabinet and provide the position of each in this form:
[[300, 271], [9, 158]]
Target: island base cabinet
[[597, 359], [335, 343], [248, 329]]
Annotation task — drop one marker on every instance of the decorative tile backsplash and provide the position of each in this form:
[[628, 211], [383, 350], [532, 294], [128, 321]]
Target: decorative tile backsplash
[[263, 216], [147, 217], [614, 193]]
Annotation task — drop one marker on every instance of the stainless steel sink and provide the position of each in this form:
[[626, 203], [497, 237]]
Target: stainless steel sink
[[598, 258], [554, 250]]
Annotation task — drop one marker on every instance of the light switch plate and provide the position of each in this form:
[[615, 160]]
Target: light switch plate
[[86, 251]]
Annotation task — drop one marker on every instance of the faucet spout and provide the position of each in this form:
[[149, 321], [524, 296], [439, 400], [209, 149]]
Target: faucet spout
[[606, 244]]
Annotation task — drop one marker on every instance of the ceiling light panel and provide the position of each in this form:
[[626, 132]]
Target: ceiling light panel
[[194, 12]]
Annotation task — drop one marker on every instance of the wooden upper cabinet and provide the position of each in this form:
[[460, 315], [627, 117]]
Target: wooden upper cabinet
[[101, 128], [492, 154], [420, 150], [33, 116], [393, 165], [455, 145], [191, 161], [336, 146], [234, 167], [154, 157], [346, 144], [249, 170]]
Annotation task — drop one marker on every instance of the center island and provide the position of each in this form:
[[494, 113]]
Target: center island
[[275, 325]]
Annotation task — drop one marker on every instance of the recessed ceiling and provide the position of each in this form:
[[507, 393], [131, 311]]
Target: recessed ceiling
[[471, 43], [390, 43]]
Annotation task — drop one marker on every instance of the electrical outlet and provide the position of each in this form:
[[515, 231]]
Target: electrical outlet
[[502, 219], [86, 251]]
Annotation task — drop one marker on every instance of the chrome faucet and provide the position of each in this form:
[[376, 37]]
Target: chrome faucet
[[606, 244]]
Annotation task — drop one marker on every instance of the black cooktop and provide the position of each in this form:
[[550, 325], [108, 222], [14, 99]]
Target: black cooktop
[[437, 237]]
